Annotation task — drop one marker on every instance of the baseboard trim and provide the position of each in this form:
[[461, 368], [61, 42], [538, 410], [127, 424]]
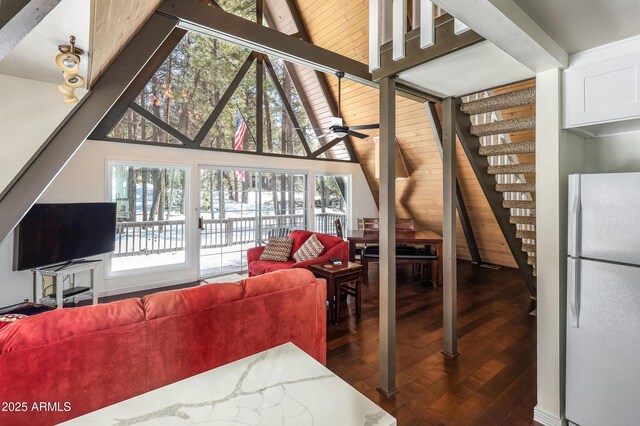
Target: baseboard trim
[[142, 287], [547, 419]]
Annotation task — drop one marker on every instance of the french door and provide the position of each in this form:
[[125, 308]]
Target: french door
[[240, 209]]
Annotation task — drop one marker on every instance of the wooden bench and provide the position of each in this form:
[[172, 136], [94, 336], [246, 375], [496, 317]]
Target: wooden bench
[[424, 258]]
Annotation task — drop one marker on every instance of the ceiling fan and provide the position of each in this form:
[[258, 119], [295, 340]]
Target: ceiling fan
[[338, 130]]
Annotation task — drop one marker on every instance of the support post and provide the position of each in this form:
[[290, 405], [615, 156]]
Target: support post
[[436, 127], [387, 202], [450, 290], [260, 103]]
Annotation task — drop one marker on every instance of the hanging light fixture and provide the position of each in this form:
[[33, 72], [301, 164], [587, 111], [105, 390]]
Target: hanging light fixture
[[73, 80], [68, 61]]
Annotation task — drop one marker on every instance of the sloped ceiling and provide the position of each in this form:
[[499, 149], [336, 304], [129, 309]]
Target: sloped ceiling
[[343, 27], [113, 24], [33, 57]]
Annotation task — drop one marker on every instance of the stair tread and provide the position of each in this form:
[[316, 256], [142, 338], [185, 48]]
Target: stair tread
[[519, 204], [512, 169], [529, 248], [528, 147], [524, 220], [516, 187], [528, 235], [495, 103], [505, 126]]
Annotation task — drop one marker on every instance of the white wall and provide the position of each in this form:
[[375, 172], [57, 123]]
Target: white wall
[[84, 180], [558, 154], [29, 112], [613, 154]]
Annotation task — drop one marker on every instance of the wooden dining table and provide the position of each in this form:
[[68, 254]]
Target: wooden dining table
[[414, 238]]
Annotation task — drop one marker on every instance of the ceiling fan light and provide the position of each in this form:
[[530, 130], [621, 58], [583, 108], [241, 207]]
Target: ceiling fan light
[[339, 134], [73, 80], [68, 62]]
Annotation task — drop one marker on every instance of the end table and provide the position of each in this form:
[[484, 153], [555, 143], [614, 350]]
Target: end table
[[336, 276]]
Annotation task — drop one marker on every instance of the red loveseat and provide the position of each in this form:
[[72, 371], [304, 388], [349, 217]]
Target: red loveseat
[[73, 361], [334, 248]]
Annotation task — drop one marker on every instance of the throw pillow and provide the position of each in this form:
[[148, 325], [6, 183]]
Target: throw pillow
[[278, 249], [309, 250], [7, 319]]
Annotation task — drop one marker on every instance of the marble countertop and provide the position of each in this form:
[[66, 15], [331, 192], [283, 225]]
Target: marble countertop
[[281, 386]]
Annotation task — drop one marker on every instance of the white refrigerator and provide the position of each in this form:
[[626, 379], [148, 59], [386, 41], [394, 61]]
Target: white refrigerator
[[603, 300]]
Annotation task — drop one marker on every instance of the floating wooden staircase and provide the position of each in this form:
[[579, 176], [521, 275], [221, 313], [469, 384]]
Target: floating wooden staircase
[[505, 169]]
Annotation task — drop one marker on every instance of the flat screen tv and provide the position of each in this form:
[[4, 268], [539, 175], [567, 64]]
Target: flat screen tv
[[58, 233]]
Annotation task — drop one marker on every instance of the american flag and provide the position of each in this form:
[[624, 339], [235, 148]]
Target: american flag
[[241, 131]]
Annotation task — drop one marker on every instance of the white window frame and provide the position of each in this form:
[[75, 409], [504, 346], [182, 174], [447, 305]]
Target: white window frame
[[189, 218], [308, 201], [349, 180]]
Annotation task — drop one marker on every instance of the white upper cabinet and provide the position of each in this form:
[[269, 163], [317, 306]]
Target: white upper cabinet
[[602, 90]]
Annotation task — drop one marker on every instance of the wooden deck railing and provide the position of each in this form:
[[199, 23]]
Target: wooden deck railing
[[154, 237]]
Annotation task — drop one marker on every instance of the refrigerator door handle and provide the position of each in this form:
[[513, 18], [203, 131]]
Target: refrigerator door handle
[[573, 281], [574, 215]]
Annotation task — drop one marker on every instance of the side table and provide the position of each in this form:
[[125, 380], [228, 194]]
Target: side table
[[336, 275], [61, 273]]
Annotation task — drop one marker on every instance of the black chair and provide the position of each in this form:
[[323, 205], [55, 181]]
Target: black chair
[[423, 257], [339, 229], [277, 232]]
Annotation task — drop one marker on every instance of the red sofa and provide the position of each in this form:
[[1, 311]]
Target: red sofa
[[81, 359], [334, 248]]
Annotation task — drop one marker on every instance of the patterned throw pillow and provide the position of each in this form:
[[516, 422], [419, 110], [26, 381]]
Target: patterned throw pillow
[[278, 249], [309, 250], [7, 319]]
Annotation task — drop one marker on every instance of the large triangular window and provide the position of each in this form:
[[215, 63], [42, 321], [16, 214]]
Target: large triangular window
[[212, 94]]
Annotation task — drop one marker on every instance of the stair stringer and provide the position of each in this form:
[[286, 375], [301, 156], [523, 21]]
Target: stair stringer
[[471, 145]]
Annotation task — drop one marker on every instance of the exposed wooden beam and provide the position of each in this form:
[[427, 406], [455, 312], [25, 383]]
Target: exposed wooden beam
[[287, 105], [434, 120], [260, 105], [479, 164], [322, 81], [327, 146], [229, 27], [139, 82], [503, 23], [23, 22], [387, 201], [445, 42], [202, 148], [159, 123], [226, 96], [449, 258], [259, 11], [44, 166]]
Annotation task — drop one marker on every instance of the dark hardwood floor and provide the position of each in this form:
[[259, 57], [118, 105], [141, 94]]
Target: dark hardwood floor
[[492, 382]]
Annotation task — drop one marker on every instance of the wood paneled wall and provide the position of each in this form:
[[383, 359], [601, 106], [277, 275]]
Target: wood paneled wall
[[113, 24], [343, 27]]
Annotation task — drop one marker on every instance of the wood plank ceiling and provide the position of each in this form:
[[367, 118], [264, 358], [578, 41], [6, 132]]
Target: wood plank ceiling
[[343, 28], [113, 24]]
